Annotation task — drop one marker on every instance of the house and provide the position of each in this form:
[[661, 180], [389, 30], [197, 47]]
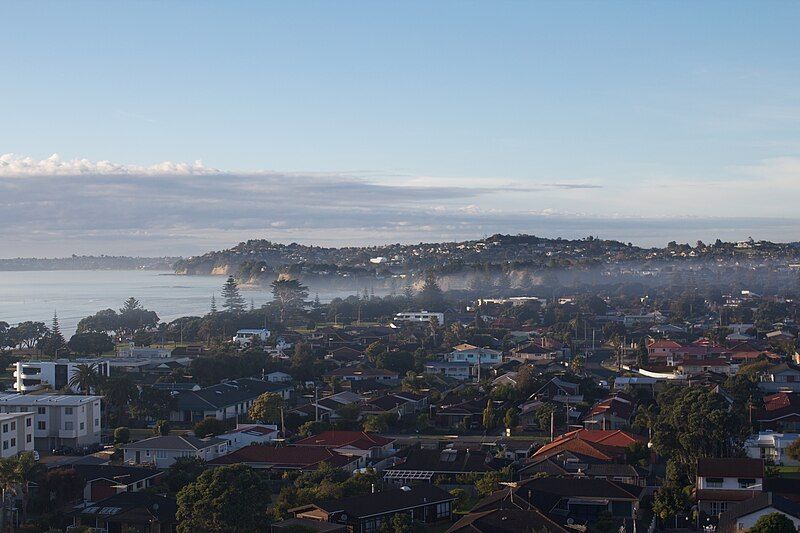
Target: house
[[247, 434], [34, 375], [424, 503], [460, 370], [351, 443], [278, 377], [600, 445], [771, 447], [722, 483], [245, 337], [578, 465], [225, 400], [288, 458], [293, 525], [559, 390], [690, 367], [781, 412], [744, 515], [781, 377], [162, 451], [137, 511], [612, 413], [660, 351], [104, 481], [419, 317], [467, 414], [345, 354], [351, 373], [59, 419], [17, 433], [429, 465], [563, 498], [507, 521], [473, 355]]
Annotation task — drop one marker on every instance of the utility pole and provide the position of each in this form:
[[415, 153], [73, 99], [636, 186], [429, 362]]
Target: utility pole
[[552, 425], [316, 404]]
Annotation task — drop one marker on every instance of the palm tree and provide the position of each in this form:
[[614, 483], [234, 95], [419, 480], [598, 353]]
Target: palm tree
[[84, 378], [10, 480]]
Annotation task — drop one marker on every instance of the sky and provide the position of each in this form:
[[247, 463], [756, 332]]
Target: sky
[[174, 128]]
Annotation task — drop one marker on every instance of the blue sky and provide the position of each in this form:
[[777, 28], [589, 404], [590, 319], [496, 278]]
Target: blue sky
[[640, 121]]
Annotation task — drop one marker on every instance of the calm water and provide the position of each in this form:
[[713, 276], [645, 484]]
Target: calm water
[[75, 294]]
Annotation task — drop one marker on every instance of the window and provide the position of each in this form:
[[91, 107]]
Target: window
[[161, 454], [13, 442], [718, 507], [442, 510], [83, 426], [41, 425], [746, 482], [28, 438], [69, 426], [714, 482], [5, 444], [13, 426], [42, 410], [28, 422], [5, 428], [68, 410], [96, 422]]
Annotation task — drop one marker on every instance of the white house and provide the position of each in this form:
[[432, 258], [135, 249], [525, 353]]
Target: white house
[[165, 450], [419, 317], [278, 377], [245, 337], [247, 434], [722, 483], [771, 446], [743, 516], [473, 355]]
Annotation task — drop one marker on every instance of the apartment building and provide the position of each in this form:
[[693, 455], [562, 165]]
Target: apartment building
[[16, 433], [58, 419], [34, 375]]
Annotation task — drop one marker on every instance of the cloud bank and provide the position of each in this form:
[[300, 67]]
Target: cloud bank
[[52, 207]]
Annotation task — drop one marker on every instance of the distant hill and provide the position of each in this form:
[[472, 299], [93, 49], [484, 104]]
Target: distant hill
[[259, 261], [88, 262]]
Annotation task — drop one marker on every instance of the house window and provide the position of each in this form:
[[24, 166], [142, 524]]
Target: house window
[[442, 510], [746, 483], [83, 425], [13, 426], [41, 425], [718, 507], [5, 428], [28, 422], [97, 422], [28, 438], [161, 454], [714, 482], [5, 444], [13, 442], [68, 410], [68, 426], [42, 410]]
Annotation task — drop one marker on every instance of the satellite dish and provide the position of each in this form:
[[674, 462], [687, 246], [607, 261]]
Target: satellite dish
[[570, 521], [344, 516]]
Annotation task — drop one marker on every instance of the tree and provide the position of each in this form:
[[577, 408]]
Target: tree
[[183, 471], [5, 336], [488, 483], [118, 391], [90, 343], [375, 424], [669, 501], [101, 322], [227, 498], [84, 378], [122, 435], [793, 450], [53, 342], [210, 427], [266, 408], [511, 418], [431, 297], [302, 362], [773, 523], [133, 317], [152, 404], [28, 334], [232, 299], [578, 364], [289, 295], [488, 415], [161, 428]]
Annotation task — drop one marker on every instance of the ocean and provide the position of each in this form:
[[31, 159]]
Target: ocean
[[74, 294]]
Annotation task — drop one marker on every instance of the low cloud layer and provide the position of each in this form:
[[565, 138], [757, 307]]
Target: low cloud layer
[[56, 207]]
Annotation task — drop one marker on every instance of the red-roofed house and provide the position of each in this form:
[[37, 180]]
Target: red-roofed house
[[604, 445], [661, 350], [352, 443], [612, 413], [781, 412]]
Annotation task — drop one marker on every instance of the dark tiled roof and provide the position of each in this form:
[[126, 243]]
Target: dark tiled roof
[[506, 521], [161, 508], [226, 394], [122, 474], [387, 501], [762, 500], [283, 457], [730, 467], [425, 460], [337, 439], [174, 442]]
